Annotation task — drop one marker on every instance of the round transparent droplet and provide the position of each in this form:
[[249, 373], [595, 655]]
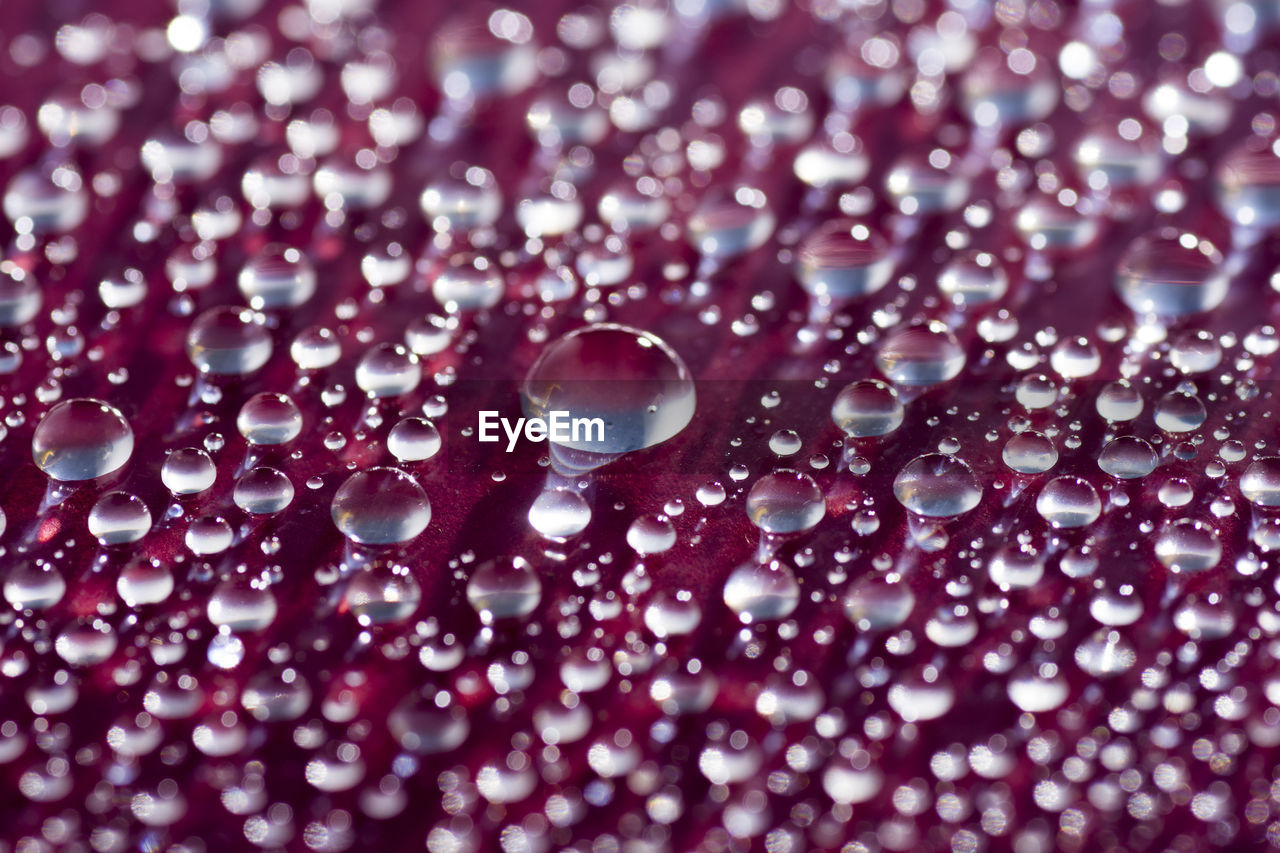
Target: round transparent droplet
[[1195, 352], [469, 283], [844, 259], [1030, 452], [725, 227], [920, 355], [973, 278], [785, 501], [1128, 458], [506, 588], [1068, 502], [453, 204], [1119, 401], [625, 389], [937, 485], [268, 419], [277, 277], [388, 370], [119, 518], [380, 506], [1171, 275], [262, 491], [651, 534], [761, 593], [414, 440], [81, 439], [1188, 545], [315, 348], [188, 471], [228, 341], [559, 513], [20, 298], [1247, 184], [1179, 411], [1260, 482], [867, 408]]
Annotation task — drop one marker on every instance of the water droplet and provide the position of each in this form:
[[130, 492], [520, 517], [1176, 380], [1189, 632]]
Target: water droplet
[[380, 506], [785, 501], [973, 278], [630, 379], [1188, 545], [262, 491], [1068, 502], [651, 535], [188, 471], [920, 355], [1248, 189], [20, 299], [118, 518], [277, 277], [559, 513], [936, 485], [1119, 401], [867, 408], [1128, 458], [414, 440], [228, 341], [844, 259], [506, 588], [1260, 482], [462, 204], [1030, 452], [725, 227], [1171, 275], [762, 593], [144, 582], [388, 370], [470, 282], [81, 439], [1179, 411], [269, 419]]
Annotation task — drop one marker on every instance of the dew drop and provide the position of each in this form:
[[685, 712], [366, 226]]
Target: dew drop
[[81, 439], [785, 501], [380, 506], [937, 485]]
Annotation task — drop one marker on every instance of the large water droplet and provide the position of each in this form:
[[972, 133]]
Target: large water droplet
[[1248, 184], [380, 506], [844, 259], [81, 439], [867, 408], [631, 380], [268, 419], [228, 341], [725, 227], [188, 471], [936, 485], [757, 592], [504, 589], [1171, 275], [118, 518], [1188, 545], [1068, 502], [920, 355], [1128, 458], [277, 277], [785, 501], [559, 513], [1260, 482]]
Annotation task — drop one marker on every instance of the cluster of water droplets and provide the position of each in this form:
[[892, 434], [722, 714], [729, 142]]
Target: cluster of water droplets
[[935, 502]]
